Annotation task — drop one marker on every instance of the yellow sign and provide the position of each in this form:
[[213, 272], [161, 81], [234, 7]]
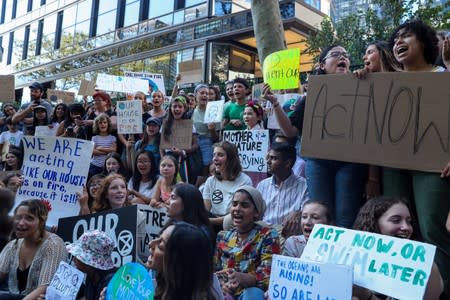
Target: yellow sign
[[282, 69]]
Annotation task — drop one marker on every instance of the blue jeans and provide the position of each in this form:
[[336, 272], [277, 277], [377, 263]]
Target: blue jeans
[[340, 184], [252, 293]]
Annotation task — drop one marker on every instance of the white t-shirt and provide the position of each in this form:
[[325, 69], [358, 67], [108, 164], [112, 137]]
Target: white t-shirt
[[220, 192], [13, 138], [144, 188]]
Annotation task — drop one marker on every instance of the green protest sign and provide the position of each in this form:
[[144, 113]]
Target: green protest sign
[[281, 69]]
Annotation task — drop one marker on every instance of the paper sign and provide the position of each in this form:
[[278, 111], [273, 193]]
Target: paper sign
[[55, 169], [287, 102], [396, 267], [214, 111], [257, 91], [396, 119], [7, 90], [292, 278], [129, 116], [181, 136], [45, 131], [155, 82], [120, 224], [121, 84], [131, 281], [87, 88], [253, 145], [55, 95], [65, 283], [281, 69], [190, 71], [154, 220]]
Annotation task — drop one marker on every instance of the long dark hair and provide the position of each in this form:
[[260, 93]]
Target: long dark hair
[[388, 61], [122, 170], [373, 209], [168, 122], [54, 118], [137, 177], [323, 54], [187, 249], [194, 211], [19, 155], [233, 163]]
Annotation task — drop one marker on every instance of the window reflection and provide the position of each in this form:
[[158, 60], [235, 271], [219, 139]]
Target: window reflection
[[84, 10], [106, 5], [160, 7], [22, 6], [106, 23], [131, 13]]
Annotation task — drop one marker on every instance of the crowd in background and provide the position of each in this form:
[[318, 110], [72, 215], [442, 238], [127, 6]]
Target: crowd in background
[[225, 223]]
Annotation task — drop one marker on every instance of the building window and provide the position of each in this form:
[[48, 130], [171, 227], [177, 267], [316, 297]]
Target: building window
[[106, 21], [131, 12], [2, 11], [32, 39], [25, 42], [158, 8], [193, 2], [10, 48], [22, 8]]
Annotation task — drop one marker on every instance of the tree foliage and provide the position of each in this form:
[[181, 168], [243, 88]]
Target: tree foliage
[[356, 31]]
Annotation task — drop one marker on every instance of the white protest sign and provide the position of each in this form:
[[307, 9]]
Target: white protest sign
[[292, 278], [214, 111], [121, 84], [287, 102], [45, 131], [65, 283], [252, 145], [155, 82], [396, 267], [55, 169], [129, 116], [154, 220]]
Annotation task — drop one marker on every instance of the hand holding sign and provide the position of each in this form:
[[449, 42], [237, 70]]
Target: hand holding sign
[[131, 281], [281, 69]]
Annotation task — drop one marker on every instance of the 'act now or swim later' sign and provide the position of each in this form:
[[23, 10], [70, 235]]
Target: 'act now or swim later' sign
[[396, 267]]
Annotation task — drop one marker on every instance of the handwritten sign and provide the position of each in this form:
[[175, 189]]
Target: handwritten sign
[[396, 267], [155, 82], [120, 224], [87, 88], [7, 92], [65, 283], [398, 120], [214, 111], [287, 102], [281, 69], [181, 136], [154, 220], [60, 96], [252, 145], [190, 71], [55, 169], [132, 281], [129, 116], [121, 84], [292, 278]]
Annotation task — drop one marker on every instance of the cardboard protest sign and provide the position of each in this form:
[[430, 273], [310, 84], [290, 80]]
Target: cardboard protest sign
[[129, 117], [55, 169], [287, 102], [281, 69], [252, 145], [154, 220], [7, 90], [87, 88], [120, 224], [398, 120], [292, 278], [396, 267], [155, 82], [58, 96], [121, 84], [190, 71], [131, 281], [181, 136], [65, 283], [214, 111]]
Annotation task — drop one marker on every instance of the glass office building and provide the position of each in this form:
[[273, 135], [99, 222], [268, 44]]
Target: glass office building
[[61, 42]]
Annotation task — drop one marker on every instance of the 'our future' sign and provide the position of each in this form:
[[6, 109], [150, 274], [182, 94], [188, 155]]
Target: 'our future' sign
[[396, 267], [399, 120]]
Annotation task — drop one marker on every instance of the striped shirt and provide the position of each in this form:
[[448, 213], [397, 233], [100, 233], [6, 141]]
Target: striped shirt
[[282, 199], [101, 141]]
